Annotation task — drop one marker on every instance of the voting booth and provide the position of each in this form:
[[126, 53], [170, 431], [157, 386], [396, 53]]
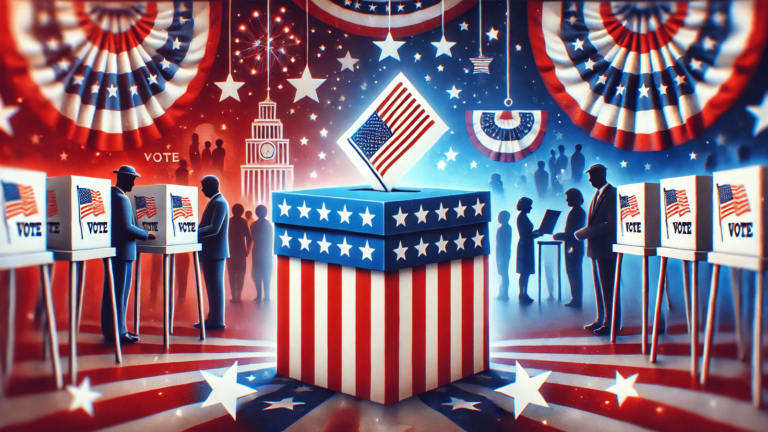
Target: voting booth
[[686, 204], [79, 213], [167, 211], [739, 212], [368, 282], [638, 216], [24, 211]]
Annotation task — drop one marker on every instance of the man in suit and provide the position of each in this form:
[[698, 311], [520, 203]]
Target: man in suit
[[574, 248], [263, 254], [577, 164], [600, 234], [124, 236], [213, 234], [239, 247], [541, 178]]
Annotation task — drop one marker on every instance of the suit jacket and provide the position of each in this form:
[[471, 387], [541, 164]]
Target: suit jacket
[[239, 237], [576, 220], [600, 232], [526, 261], [214, 229], [124, 229]]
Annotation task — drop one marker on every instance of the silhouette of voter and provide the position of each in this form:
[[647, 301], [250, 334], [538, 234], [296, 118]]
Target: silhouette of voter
[[497, 186], [577, 164], [551, 164], [182, 173], [573, 247], [239, 246], [525, 247], [217, 158], [600, 234], [205, 157], [261, 270], [541, 178], [503, 253], [561, 164], [213, 234], [124, 236], [194, 152]]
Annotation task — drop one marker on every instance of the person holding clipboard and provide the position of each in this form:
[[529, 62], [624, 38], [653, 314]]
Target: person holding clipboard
[[525, 248]]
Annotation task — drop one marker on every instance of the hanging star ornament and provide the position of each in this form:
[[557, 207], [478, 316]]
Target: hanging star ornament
[[225, 390], [348, 62], [623, 388], [389, 47], [83, 396], [6, 112], [229, 88], [306, 86], [525, 389], [443, 47], [760, 112]]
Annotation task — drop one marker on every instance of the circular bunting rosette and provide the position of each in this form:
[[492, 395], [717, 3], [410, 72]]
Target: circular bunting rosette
[[109, 75], [646, 76], [506, 136]]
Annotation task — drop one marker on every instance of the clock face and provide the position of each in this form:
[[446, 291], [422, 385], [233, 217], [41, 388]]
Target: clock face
[[267, 151]]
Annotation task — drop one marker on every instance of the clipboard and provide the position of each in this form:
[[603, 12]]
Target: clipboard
[[549, 221]]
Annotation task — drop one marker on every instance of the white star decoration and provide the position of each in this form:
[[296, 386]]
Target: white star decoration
[[304, 141], [441, 165], [306, 86], [286, 239], [443, 47], [347, 62], [304, 210], [454, 92], [286, 403], [493, 34], [441, 212], [322, 155], [344, 214], [459, 210], [451, 155], [225, 390], [478, 239], [460, 242], [302, 389], [324, 133], [305, 242], [578, 45], [623, 164], [367, 251], [389, 47], [461, 404], [400, 251], [422, 214], [323, 212], [623, 388], [63, 156], [693, 155], [478, 208], [422, 247], [82, 396], [344, 247], [367, 218], [228, 88], [441, 245], [525, 390], [400, 217], [324, 245], [6, 112], [760, 112], [464, 26], [284, 207], [472, 165]]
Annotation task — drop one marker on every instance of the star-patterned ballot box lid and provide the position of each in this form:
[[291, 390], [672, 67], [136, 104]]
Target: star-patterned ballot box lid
[[360, 227]]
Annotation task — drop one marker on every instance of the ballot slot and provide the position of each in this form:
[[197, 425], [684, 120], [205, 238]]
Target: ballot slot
[[738, 211], [168, 211], [686, 213], [79, 211], [638, 215], [24, 211]]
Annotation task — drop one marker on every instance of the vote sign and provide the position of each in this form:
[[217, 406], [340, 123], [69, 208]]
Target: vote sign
[[638, 215], [22, 196], [738, 211], [168, 211], [686, 212], [79, 211]]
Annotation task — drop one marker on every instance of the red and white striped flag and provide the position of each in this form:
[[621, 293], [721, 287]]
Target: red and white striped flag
[[53, 208]]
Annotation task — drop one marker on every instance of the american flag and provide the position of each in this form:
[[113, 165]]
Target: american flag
[[145, 207], [90, 202], [181, 207], [53, 208], [19, 200], [732, 200], [629, 208], [392, 134], [677, 202], [481, 64]]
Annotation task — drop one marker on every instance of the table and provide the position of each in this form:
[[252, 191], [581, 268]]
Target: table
[[77, 259], [759, 265], [551, 243], [168, 253], [11, 263], [644, 252]]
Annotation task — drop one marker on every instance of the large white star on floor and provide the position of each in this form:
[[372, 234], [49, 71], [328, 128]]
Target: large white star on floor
[[347, 62], [460, 242], [400, 251], [286, 403], [459, 210], [443, 47], [344, 214], [441, 245], [304, 210], [454, 92], [422, 214], [6, 112], [760, 112], [478, 207], [284, 207], [225, 390], [367, 217], [324, 245], [451, 155], [623, 388], [525, 389], [400, 217], [457, 403], [493, 34], [323, 212], [286, 239], [306, 86], [344, 247], [478, 239], [228, 88], [83, 396], [367, 251], [441, 213], [389, 47], [422, 247], [305, 242]]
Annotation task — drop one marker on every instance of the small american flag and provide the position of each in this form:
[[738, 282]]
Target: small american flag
[[629, 208], [677, 202], [53, 208], [90, 202], [145, 207], [181, 207], [392, 134], [19, 200], [481, 64], [733, 200]]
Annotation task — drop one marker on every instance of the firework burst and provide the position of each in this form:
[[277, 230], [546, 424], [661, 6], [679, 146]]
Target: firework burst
[[253, 37]]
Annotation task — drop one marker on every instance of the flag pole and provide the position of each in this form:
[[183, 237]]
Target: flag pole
[[719, 218], [666, 217], [5, 213], [173, 224], [80, 215], [622, 217]]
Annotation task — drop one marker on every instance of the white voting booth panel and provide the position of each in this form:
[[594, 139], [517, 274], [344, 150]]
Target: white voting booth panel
[[739, 211], [167, 211], [638, 215], [23, 211], [686, 211], [79, 213]]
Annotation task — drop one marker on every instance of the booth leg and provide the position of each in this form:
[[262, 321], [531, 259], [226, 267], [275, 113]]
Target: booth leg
[[539, 273], [757, 346], [73, 288], [166, 305], [736, 289], [657, 310], [559, 276], [11, 327], [200, 311], [687, 294], [81, 293], [695, 320], [646, 289], [111, 276], [711, 312], [172, 289], [137, 297], [616, 285], [53, 336]]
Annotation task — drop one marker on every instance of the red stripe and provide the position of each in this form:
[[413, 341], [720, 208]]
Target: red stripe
[[392, 98], [116, 43], [443, 323], [389, 96], [413, 141], [405, 113], [363, 333], [390, 148], [392, 110], [419, 337], [308, 321], [467, 316], [486, 344], [283, 313], [642, 43], [334, 327], [391, 336]]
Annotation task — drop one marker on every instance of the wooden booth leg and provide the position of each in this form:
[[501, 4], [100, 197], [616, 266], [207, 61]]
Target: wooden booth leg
[[539, 272], [736, 289], [111, 276], [646, 289], [616, 292], [137, 296], [757, 346], [695, 320], [81, 293], [73, 288], [11, 327], [687, 294], [172, 289], [657, 310], [200, 311], [166, 305], [711, 313], [559, 276], [51, 317]]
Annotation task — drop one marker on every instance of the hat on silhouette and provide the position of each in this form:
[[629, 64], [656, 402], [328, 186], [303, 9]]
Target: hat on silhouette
[[127, 170], [596, 167]]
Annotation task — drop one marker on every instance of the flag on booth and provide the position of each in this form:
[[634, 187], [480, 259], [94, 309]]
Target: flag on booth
[[629, 208], [181, 207], [676, 202], [145, 207], [90, 202], [19, 200], [53, 208], [732, 200]]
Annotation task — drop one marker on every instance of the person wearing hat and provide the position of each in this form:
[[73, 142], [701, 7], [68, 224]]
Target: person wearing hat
[[574, 248], [600, 234], [125, 232], [213, 233]]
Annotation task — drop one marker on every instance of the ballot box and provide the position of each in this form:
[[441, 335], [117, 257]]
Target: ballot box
[[739, 212], [638, 215], [23, 207], [168, 211], [686, 212], [79, 213], [381, 295]]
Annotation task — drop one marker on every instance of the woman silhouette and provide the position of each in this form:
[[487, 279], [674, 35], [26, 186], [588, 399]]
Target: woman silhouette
[[525, 249]]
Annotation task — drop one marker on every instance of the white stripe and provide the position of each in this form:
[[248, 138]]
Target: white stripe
[[321, 324], [456, 302], [431, 326], [383, 21], [478, 303], [406, 333], [722, 338], [377, 336], [348, 329], [506, 146], [294, 312], [98, 339], [403, 146]]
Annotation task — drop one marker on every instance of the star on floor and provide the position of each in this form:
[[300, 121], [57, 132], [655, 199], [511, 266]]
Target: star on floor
[[286, 403], [760, 112], [302, 389], [347, 62], [457, 403], [525, 389], [225, 390], [82, 396], [228, 88], [6, 112], [389, 47], [623, 388], [306, 86], [443, 47]]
